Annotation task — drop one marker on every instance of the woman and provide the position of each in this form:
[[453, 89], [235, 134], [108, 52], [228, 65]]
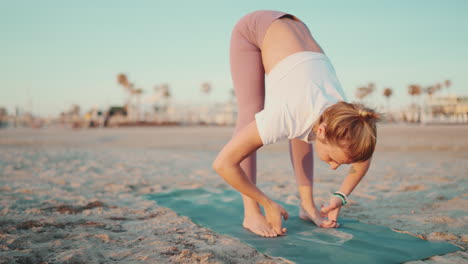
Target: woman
[[303, 102]]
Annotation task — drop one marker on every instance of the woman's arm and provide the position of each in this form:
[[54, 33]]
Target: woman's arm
[[227, 165], [355, 175]]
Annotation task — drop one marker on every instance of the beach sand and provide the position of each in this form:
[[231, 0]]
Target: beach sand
[[76, 196]]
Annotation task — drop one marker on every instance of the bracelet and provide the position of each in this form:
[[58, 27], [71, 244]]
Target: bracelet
[[342, 196], [343, 201]]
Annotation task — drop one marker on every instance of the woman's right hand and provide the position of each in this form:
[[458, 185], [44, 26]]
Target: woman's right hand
[[331, 211], [273, 214]]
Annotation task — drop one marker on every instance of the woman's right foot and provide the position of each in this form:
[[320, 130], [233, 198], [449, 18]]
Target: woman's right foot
[[258, 224], [314, 216]]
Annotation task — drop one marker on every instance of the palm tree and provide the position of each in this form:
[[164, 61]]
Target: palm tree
[[414, 90], [447, 83], [138, 92], [204, 110], [438, 86], [430, 90], [133, 112], [206, 87], [162, 98], [165, 90], [122, 79], [362, 92], [129, 87], [166, 95], [388, 93]]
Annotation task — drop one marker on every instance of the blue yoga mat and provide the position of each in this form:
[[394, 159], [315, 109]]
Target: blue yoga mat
[[353, 242]]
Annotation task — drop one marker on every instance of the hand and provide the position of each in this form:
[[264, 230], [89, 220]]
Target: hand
[[331, 211], [273, 213]]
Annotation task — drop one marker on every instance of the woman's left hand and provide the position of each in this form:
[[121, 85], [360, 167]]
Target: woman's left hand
[[331, 211]]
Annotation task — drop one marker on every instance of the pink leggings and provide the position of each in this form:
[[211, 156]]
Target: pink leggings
[[248, 77]]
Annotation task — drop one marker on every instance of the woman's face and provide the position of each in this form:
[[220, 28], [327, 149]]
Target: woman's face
[[331, 154]]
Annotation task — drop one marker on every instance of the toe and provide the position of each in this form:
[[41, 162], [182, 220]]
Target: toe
[[270, 234], [273, 233]]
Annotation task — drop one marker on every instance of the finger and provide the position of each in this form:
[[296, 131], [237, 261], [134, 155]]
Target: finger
[[322, 208], [281, 233], [331, 207], [285, 230], [278, 232], [323, 213], [278, 228], [335, 224], [333, 215], [285, 214], [326, 209]]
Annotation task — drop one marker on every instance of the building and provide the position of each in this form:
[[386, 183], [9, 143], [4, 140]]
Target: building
[[446, 109]]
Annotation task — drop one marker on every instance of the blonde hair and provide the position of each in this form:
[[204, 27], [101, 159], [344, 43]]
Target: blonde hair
[[351, 127]]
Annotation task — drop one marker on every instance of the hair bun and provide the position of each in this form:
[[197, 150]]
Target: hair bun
[[368, 114]]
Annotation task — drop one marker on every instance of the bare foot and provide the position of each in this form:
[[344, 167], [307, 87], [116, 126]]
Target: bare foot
[[258, 224], [314, 216]]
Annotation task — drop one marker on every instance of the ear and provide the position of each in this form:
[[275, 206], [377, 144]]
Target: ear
[[320, 133]]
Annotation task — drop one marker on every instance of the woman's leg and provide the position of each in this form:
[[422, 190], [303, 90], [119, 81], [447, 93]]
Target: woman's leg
[[248, 77], [302, 160]]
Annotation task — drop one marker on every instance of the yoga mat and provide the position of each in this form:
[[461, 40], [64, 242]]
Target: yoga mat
[[353, 242]]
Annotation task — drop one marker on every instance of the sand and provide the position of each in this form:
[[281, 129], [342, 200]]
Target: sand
[[75, 196]]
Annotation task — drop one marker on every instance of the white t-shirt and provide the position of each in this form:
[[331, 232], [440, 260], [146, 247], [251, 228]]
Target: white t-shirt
[[298, 89]]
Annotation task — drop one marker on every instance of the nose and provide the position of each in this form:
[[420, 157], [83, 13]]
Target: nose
[[334, 165]]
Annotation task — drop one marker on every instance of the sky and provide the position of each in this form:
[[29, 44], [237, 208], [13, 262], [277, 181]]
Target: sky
[[57, 53]]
